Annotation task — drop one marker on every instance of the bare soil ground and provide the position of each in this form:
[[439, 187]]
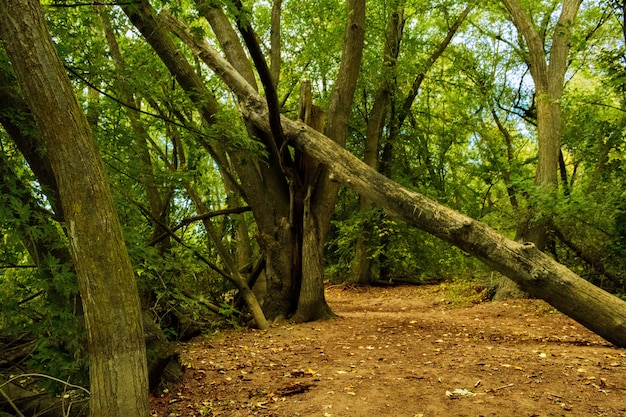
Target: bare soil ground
[[405, 351]]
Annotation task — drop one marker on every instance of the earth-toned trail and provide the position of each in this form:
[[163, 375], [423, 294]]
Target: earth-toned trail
[[405, 351]]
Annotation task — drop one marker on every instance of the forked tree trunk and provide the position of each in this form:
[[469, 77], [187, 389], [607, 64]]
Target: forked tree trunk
[[117, 354]]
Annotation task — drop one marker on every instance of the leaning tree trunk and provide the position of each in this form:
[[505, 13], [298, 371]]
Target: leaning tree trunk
[[531, 269], [117, 355]]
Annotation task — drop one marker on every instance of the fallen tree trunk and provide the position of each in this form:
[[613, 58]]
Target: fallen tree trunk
[[536, 273], [17, 400]]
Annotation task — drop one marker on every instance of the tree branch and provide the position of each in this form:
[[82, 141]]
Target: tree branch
[[94, 3], [204, 216], [271, 96], [408, 102]]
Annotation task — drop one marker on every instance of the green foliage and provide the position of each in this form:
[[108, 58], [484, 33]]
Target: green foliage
[[468, 141], [403, 253], [466, 291]]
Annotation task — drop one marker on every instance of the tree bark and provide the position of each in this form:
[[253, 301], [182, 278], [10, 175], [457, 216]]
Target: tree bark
[[275, 59], [227, 38], [320, 192], [278, 232], [118, 373]]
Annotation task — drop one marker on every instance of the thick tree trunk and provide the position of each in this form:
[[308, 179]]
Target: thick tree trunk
[[311, 300], [118, 373], [321, 193]]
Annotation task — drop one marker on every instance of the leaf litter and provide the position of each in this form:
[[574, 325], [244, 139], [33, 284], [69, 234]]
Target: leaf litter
[[404, 351]]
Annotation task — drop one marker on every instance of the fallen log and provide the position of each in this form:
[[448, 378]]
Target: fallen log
[[535, 272], [17, 400]]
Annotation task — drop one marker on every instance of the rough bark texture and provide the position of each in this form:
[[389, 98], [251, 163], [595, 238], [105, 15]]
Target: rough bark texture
[[311, 301], [275, 41], [118, 374]]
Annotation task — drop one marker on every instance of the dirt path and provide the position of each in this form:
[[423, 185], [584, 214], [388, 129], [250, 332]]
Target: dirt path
[[408, 351]]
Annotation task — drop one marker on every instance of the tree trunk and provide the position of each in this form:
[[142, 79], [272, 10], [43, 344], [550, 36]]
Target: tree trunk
[[118, 373], [311, 301], [277, 227], [275, 59], [361, 268], [284, 268], [535, 272], [548, 75], [321, 192]]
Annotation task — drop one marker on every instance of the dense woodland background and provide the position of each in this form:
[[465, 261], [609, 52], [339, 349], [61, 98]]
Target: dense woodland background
[[511, 112]]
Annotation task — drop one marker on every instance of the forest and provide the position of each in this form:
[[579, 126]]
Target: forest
[[173, 167]]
